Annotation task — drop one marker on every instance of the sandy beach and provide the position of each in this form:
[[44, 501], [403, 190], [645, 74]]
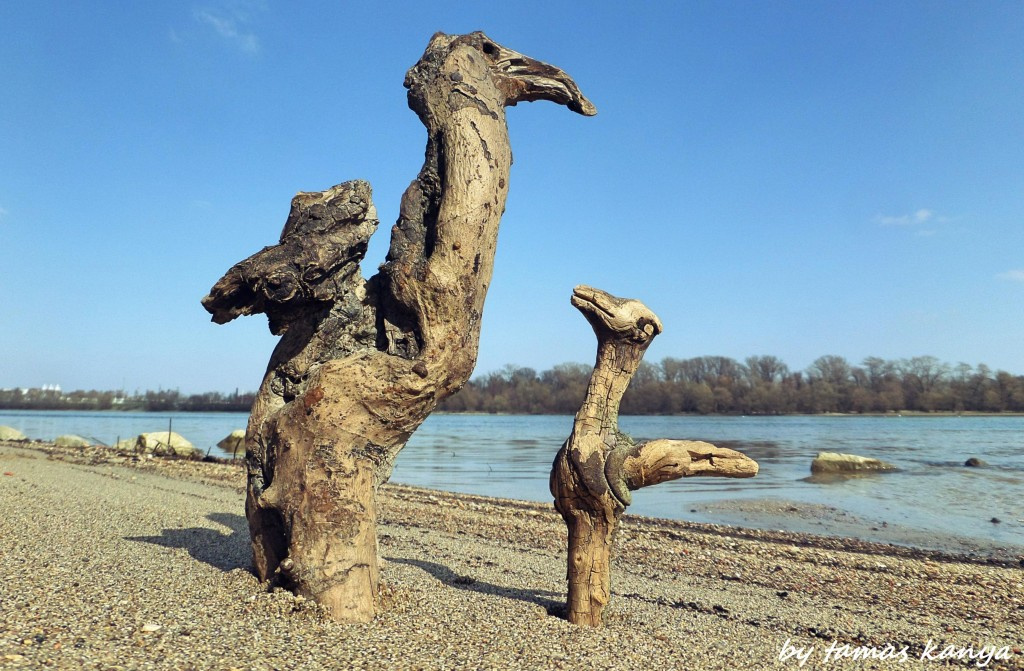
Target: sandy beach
[[115, 562]]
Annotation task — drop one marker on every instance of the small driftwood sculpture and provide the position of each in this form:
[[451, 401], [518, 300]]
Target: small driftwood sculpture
[[362, 363], [598, 465]]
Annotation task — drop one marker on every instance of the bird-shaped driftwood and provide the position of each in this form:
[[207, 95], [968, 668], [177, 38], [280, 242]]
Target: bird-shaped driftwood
[[361, 363], [599, 465]]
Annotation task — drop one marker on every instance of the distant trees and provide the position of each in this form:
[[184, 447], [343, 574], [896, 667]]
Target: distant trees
[[761, 385], [521, 390], [155, 401]]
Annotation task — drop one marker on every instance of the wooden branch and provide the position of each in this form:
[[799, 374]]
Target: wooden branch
[[662, 460], [360, 363]]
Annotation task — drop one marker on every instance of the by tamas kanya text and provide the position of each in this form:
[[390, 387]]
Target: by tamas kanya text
[[982, 656]]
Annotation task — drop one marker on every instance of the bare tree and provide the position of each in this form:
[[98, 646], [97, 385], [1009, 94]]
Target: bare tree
[[923, 373], [766, 369], [832, 369], [362, 363]]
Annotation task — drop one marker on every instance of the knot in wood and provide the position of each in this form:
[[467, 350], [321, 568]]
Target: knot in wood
[[312, 397]]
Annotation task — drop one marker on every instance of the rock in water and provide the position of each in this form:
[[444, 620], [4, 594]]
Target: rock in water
[[837, 462], [975, 462], [164, 444], [71, 440], [7, 433]]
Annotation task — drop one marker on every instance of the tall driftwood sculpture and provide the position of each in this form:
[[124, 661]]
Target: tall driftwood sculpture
[[598, 465], [362, 363]]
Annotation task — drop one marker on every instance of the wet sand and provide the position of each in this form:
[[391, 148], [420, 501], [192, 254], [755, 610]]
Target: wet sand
[[115, 562], [818, 519]]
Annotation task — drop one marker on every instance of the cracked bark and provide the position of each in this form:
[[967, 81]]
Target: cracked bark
[[597, 467], [361, 363]]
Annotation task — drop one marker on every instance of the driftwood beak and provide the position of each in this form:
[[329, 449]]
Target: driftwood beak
[[588, 300], [231, 297], [524, 80]]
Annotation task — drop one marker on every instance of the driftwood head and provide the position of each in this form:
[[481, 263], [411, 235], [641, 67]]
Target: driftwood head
[[517, 78], [624, 320], [316, 261]]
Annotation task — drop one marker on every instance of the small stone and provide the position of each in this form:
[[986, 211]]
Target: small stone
[[150, 627]]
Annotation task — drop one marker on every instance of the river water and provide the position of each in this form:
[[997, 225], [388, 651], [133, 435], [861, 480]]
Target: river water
[[933, 501]]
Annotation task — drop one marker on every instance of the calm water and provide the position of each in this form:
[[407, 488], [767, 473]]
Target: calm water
[[510, 456]]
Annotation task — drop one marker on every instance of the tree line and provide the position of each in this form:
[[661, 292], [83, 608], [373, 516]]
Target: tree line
[[761, 385], [153, 401]]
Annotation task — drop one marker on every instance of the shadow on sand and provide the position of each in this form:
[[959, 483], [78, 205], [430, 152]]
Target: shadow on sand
[[224, 551], [555, 607]]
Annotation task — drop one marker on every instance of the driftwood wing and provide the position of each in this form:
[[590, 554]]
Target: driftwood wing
[[316, 261]]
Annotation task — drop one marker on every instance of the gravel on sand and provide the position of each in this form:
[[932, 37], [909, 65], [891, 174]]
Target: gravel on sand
[[112, 561]]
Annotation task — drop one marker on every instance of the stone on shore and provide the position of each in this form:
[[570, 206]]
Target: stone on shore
[[162, 444], [71, 440], [839, 463], [234, 442], [8, 433]]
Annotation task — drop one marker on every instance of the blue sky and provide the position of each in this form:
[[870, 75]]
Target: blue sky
[[786, 178]]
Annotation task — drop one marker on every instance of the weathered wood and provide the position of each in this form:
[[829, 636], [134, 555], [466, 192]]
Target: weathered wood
[[598, 465], [361, 363]]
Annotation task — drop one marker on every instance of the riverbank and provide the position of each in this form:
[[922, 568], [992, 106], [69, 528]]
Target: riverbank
[[117, 563]]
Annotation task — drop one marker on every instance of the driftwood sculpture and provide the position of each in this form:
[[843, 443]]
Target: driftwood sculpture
[[362, 363], [598, 465]]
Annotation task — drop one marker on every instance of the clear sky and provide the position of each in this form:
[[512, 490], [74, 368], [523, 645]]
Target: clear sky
[[785, 178]]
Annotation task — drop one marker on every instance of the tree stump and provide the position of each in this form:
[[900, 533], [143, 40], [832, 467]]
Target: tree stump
[[361, 363], [598, 465]]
